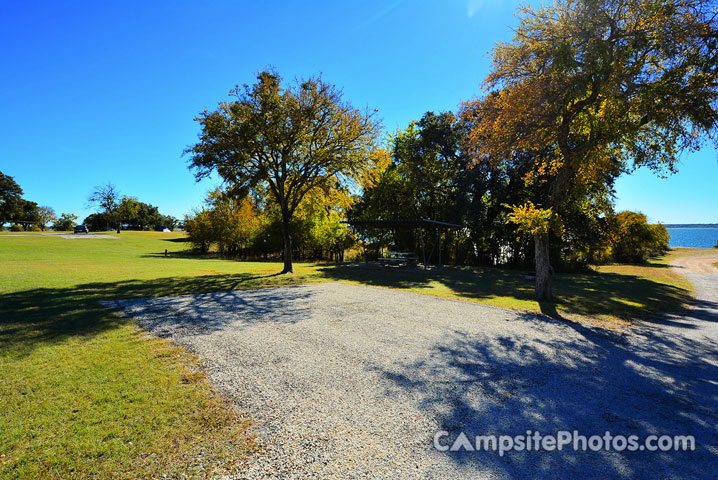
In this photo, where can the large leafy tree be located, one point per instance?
(46, 216)
(26, 212)
(127, 211)
(287, 140)
(422, 178)
(10, 196)
(427, 156)
(593, 88)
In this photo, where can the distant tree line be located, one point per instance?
(118, 212)
(691, 225)
(115, 211)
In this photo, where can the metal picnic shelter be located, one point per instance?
(418, 223)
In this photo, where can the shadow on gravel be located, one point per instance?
(40, 316)
(203, 313)
(624, 296)
(584, 379)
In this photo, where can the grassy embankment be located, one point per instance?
(86, 395)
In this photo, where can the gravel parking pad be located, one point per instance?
(348, 381)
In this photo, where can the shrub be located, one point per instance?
(16, 227)
(635, 240)
(200, 229)
(66, 222)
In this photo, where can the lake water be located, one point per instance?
(693, 237)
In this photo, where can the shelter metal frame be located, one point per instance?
(420, 223)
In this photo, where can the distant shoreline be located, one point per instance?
(690, 225)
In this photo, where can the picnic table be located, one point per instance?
(396, 258)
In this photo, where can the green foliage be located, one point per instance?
(592, 89)
(422, 180)
(127, 209)
(15, 227)
(10, 194)
(147, 217)
(97, 222)
(46, 215)
(532, 221)
(66, 222)
(634, 240)
(230, 224)
(14, 208)
(332, 236)
(25, 211)
(319, 224)
(125, 212)
(200, 229)
(287, 141)
(234, 221)
(242, 228)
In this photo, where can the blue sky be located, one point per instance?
(106, 91)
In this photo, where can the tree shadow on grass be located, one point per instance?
(194, 255)
(177, 240)
(189, 254)
(40, 316)
(624, 296)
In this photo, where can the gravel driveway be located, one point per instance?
(348, 381)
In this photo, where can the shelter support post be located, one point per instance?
(439, 241)
(423, 246)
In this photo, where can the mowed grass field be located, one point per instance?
(85, 394)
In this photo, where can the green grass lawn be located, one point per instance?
(87, 395)
(84, 394)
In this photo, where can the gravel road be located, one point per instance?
(348, 381)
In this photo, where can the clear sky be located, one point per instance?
(92, 92)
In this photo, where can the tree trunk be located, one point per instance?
(287, 256)
(544, 272)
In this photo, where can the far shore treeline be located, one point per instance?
(691, 225)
